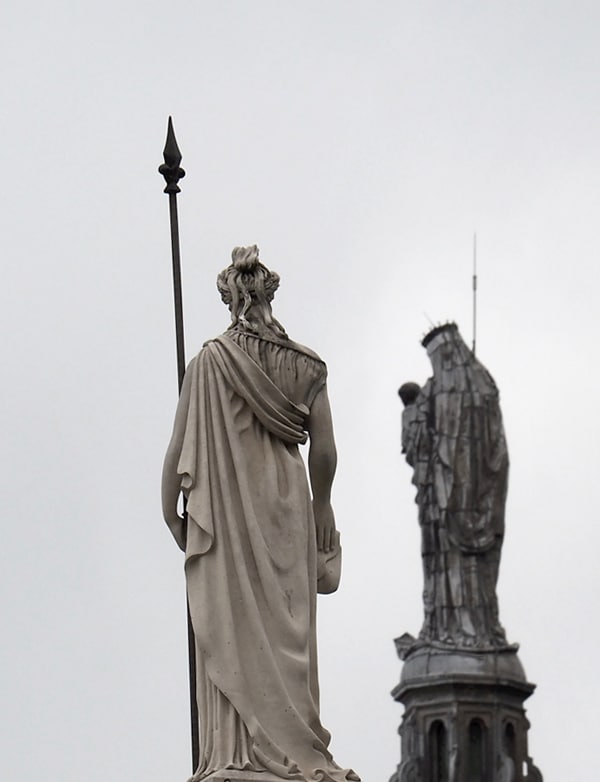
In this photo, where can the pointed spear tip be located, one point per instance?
(172, 155)
(170, 129)
(171, 152)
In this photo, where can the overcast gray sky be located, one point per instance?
(359, 145)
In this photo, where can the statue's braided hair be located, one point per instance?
(248, 282)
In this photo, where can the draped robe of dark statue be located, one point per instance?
(453, 437)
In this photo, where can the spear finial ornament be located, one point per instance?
(170, 168)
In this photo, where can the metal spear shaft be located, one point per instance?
(172, 173)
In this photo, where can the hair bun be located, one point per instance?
(245, 259)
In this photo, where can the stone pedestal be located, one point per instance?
(463, 719)
(234, 775)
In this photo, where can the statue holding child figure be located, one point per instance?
(453, 438)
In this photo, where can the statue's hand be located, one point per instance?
(325, 526)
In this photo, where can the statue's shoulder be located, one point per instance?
(241, 337)
(306, 351)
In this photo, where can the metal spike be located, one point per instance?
(170, 168)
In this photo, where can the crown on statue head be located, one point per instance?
(450, 327)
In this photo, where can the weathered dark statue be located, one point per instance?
(462, 685)
(453, 437)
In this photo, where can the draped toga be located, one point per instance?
(250, 557)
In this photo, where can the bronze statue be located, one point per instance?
(257, 546)
(453, 437)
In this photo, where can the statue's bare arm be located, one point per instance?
(322, 462)
(171, 480)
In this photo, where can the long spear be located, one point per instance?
(172, 173)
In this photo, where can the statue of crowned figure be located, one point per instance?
(453, 438)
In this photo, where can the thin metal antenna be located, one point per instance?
(474, 292)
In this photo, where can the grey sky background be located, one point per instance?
(359, 145)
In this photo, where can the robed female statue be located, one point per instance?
(257, 544)
(453, 437)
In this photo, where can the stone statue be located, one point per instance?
(256, 545)
(453, 437)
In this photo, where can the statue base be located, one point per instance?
(235, 775)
